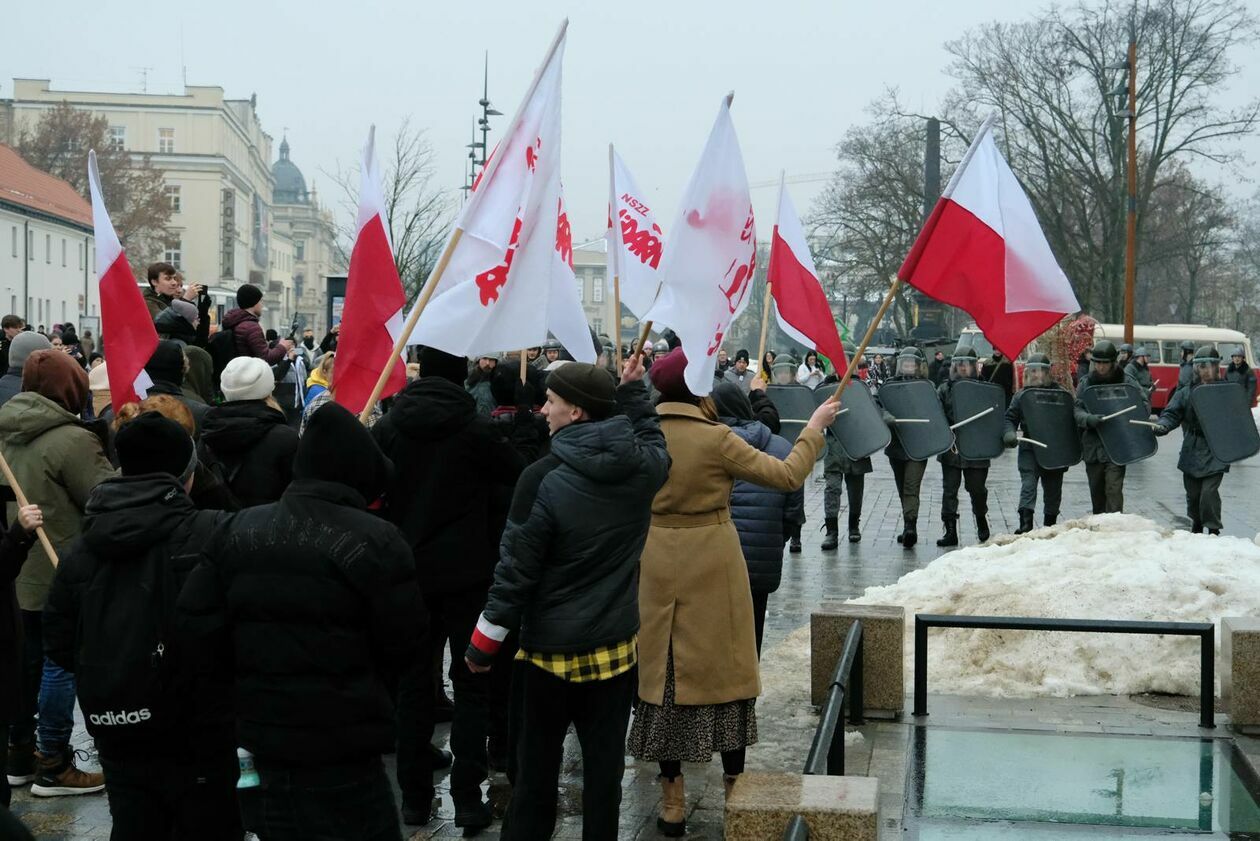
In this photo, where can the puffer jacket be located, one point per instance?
(250, 340)
(568, 577)
(251, 447)
(57, 461)
(10, 385)
(945, 391)
(1196, 458)
(763, 515)
(1092, 449)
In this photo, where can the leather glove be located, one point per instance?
(1010, 439)
(1161, 431)
(1092, 421)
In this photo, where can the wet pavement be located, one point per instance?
(786, 720)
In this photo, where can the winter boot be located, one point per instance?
(728, 783)
(910, 536)
(672, 822)
(1215, 532)
(795, 546)
(472, 814)
(1196, 527)
(832, 540)
(1025, 521)
(950, 538)
(56, 775)
(855, 534)
(982, 528)
(1051, 519)
(20, 767)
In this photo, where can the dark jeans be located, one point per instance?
(974, 478)
(350, 802)
(908, 475)
(470, 726)
(599, 711)
(160, 799)
(46, 689)
(759, 617)
(1106, 487)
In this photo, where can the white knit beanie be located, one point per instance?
(247, 378)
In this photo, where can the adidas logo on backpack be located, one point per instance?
(120, 717)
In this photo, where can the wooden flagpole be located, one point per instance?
(22, 502)
(765, 310)
(866, 340)
(524, 364)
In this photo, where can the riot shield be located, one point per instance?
(860, 427)
(1124, 442)
(795, 404)
(912, 402)
(1225, 418)
(1050, 417)
(979, 439)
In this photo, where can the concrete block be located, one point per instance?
(836, 808)
(883, 653)
(1240, 671)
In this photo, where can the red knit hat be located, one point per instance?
(667, 377)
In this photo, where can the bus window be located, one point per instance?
(1172, 352)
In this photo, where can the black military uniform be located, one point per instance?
(907, 473)
(1138, 372)
(1242, 373)
(1000, 372)
(1186, 374)
(955, 470)
(841, 471)
(1106, 478)
(1201, 471)
(1124, 356)
(1036, 375)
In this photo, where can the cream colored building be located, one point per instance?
(309, 227)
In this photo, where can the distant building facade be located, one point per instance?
(313, 239)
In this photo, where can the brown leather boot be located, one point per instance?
(56, 775)
(728, 783)
(672, 822)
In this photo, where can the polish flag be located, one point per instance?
(983, 251)
(711, 255)
(510, 278)
(800, 305)
(126, 327)
(372, 318)
(635, 241)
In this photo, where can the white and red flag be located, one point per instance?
(800, 305)
(372, 318)
(510, 278)
(635, 241)
(983, 251)
(126, 327)
(709, 260)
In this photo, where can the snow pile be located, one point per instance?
(1110, 566)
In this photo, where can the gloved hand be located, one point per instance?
(1092, 421)
(1161, 431)
(1010, 439)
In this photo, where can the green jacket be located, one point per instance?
(57, 461)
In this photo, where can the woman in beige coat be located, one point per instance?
(698, 678)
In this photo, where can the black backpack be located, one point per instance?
(222, 350)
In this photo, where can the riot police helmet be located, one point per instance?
(962, 364)
(1037, 370)
(911, 362)
(1103, 351)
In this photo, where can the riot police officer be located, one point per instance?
(1201, 471)
(550, 352)
(907, 473)
(841, 472)
(1124, 356)
(1138, 372)
(1106, 478)
(1242, 373)
(1186, 373)
(955, 470)
(1036, 375)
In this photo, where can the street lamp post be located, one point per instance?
(1128, 90)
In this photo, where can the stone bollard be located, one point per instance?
(835, 808)
(1240, 671)
(883, 653)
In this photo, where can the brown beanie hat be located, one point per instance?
(585, 386)
(56, 376)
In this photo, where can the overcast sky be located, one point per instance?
(647, 76)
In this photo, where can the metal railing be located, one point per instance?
(1205, 631)
(826, 752)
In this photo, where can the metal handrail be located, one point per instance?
(826, 752)
(1205, 631)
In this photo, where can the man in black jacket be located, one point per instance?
(319, 599)
(163, 727)
(166, 368)
(446, 495)
(568, 579)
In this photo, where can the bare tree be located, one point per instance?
(59, 143)
(418, 211)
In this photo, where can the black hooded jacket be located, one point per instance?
(250, 447)
(127, 521)
(450, 469)
(569, 574)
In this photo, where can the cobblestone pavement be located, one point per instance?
(786, 723)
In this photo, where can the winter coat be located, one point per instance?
(250, 340)
(5, 342)
(251, 447)
(763, 516)
(484, 399)
(58, 462)
(197, 408)
(741, 380)
(894, 450)
(1092, 449)
(316, 600)
(199, 378)
(1001, 373)
(1140, 376)
(451, 469)
(569, 560)
(531, 447)
(171, 325)
(1015, 423)
(15, 545)
(128, 521)
(1245, 376)
(945, 391)
(156, 302)
(694, 594)
(809, 377)
(10, 385)
(1196, 457)
(765, 411)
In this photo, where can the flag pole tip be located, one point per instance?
(730, 98)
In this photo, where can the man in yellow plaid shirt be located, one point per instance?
(568, 578)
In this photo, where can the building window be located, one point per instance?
(80, 256)
(597, 325)
(166, 141)
(30, 246)
(299, 250)
(63, 252)
(118, 137)
(173, 253)
(15, 240)
(597, 289)
(581, 290)
(173, 197)
(48, 248)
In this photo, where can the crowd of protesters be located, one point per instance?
(253, 600)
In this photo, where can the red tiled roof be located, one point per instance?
(23, 184)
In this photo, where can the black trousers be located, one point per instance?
(974, 477)
(165, 799)
(909, 478)
(1106, 487)
(759, 617)
(22, 731)
(5, 792)
(1051, 483)
(414, 708)
(599, 711)
(1203, 499)
(350, 802)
